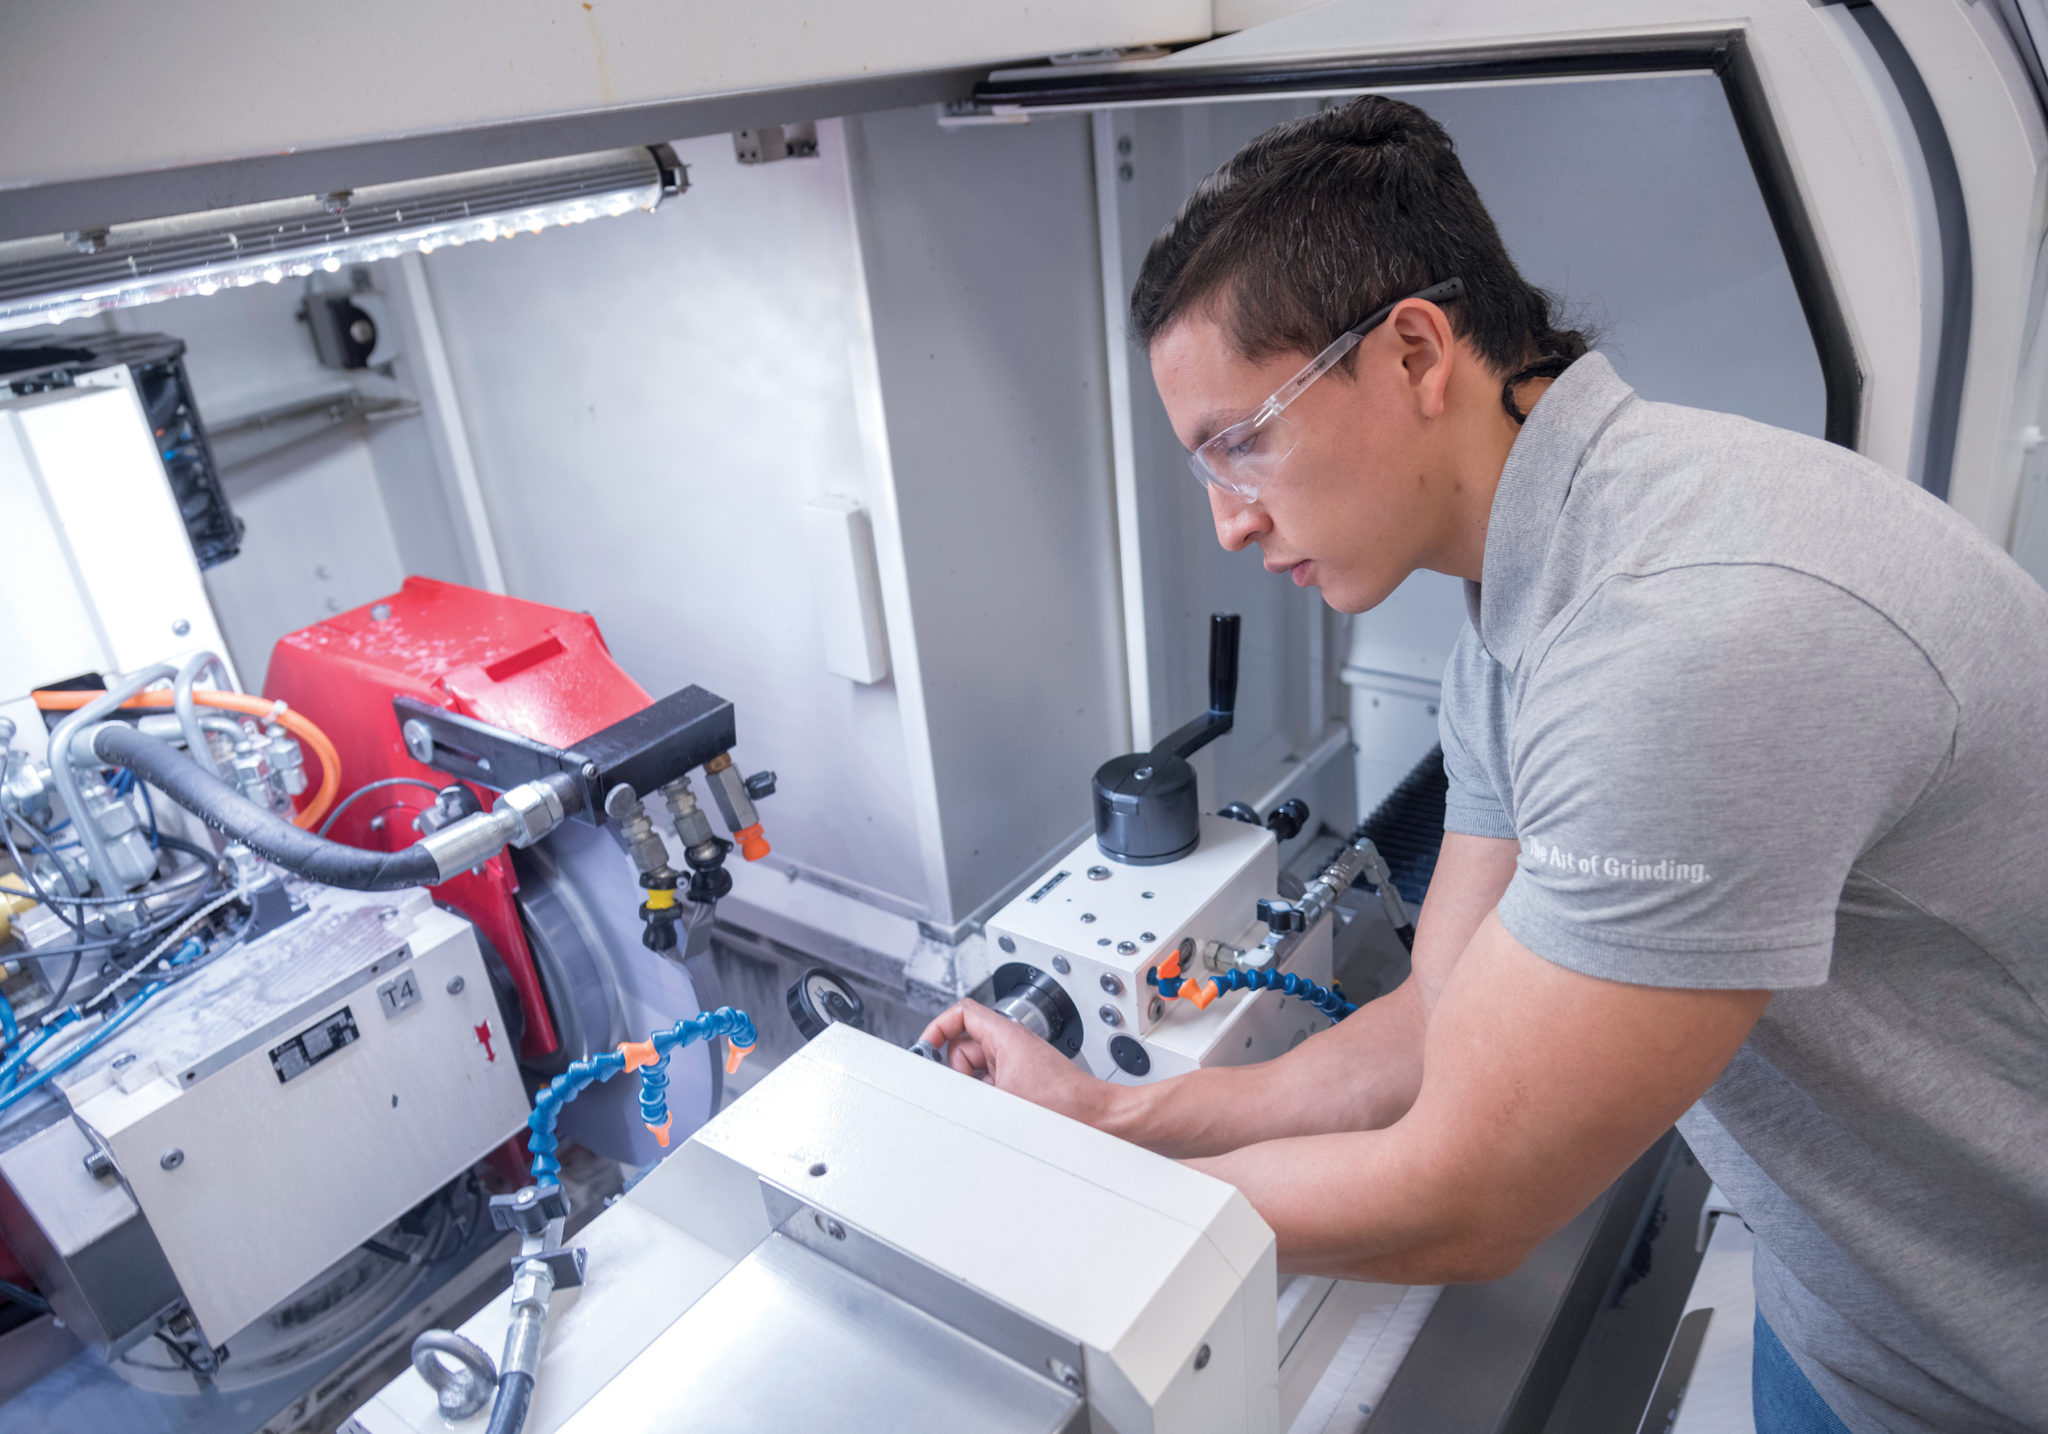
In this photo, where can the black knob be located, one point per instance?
(1281, 915)
(529, 1210)
(761, 785)
(1287, 819)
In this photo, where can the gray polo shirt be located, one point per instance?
(1762, 715)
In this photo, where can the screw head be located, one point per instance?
(180, 628)
(171, 1159)
(1062, 1371)
(381, 612)
(1098, 873)
(1102, 941)
(831, 1227)
(1110, 1016)
(1202, 1357)
(1062, 965)
(1112, 984)
(419, 742)
(455, 985)
(528, 1195)
(818, 1169)
(1087, 918)
(1147, 936)
(1126, 948)
(1007, 943)
(1156, 1009)
(123, 1061)
(1126, 174)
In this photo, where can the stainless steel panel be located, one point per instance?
(789, 1341)
(988, 1321)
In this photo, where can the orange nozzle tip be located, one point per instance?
(753, 846)
(1200, 992)
(734, 1055)
(661, 1132)
(638, 1054)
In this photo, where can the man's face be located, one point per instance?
(1349, 511)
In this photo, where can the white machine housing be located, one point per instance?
(1098, 927)
(868, 1240)
(269, 1114)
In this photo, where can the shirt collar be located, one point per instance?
(1533, 487)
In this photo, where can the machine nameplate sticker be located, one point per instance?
(1057, 878)
(313, 1045)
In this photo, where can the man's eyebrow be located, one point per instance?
(1212, 423)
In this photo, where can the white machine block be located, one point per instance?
(1100, 927)
(280, 1107)
(99, 575)
(896, 1246)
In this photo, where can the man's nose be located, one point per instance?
(1238, 522)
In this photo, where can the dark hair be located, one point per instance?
(1320, 221)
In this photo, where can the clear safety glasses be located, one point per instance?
(1243, 457)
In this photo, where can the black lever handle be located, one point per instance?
(1187, 740)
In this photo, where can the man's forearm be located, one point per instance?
(1360, 1075)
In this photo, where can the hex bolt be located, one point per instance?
(1008, 944)
(1110, 1016)
(1062, 965)
(455, 985)
(1112, 984)
(172, 1158)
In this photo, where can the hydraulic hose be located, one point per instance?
(226, 810)
(508, 1410)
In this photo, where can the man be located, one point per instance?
(1748, 820)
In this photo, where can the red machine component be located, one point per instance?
(538, 671)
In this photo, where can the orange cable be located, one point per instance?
(249, 705)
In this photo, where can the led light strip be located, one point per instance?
(52, 279)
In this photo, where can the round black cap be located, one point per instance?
(1146, 809)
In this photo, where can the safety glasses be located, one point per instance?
(1242, 458)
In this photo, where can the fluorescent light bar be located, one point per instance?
(74, 276)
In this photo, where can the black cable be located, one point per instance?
(368, 787)
(508, 1410)
(184, 1355)
(21, 866)
(388, 1252)
(27, 1299)
(223, 808)
(63, 987)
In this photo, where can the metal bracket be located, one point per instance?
(645, 751)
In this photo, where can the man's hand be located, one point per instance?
(994, 1048)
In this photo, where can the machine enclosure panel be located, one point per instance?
(1133, 1260)
(275, 1179)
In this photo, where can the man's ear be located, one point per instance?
(1428, 352)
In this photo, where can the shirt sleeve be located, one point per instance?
(1698, 759)
(1472, 726)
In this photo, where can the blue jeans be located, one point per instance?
(1781, 1397)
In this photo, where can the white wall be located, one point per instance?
(650, 401)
